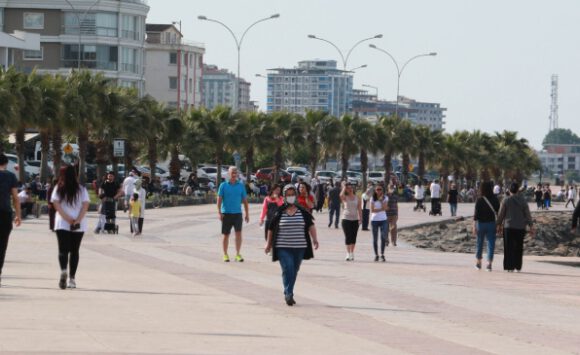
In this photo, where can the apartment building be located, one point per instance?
(219, 87)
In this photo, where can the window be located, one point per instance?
(2, 19)
(172, 58)
(92, 56)
(33, 55)
(33, 20)
(173, 82)
(101, 24)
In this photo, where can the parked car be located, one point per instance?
(144, 170)
(266, 175)
(377, 177)
(29, 171)
(301, 172)
(211, 172)
(412, 178)
(325, 176)
(353, 177)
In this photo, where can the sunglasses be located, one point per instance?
(379, 190)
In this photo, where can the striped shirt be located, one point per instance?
(291, 231)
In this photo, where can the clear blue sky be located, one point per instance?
(492, 71)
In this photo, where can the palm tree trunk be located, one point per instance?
(344, 162)
(56, 150)
(364, 166)
(174, 164)
(44, 148)
(277, 164)
(313, 158)
(152, 157)
(405, 170)
(249, 162)
(20, 153)
(387, 165)
(83, 144)
(219, 161)
(421, 167)
(128, 160)
(101, 158)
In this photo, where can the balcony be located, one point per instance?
(89, 64)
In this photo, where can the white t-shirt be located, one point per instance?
(143, 200)
(129, 186)
(73, 210)
(23, 196)
(419, 192)
(379, 216)
(496, 190)
(435, 190)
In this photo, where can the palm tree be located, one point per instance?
(52, 90)
(386, 132)
(405, 140)
(250, 129)
(315, 126)
(153, 117)
(427, 143)
(9, 100)
(284, 128)
(347, 141)
(364, 136)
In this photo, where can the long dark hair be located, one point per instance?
(375, 195)
(68, 184)
(274, 187)
(486, 189)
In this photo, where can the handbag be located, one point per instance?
(499, 231)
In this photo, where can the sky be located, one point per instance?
(494, 58)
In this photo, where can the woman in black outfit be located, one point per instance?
(8, 190)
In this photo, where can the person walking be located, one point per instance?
(435, 190)
(8, 191)
(575, 218)
(484, 227)
(393, 215)
(271, 204)
(305, 198)
(539, 197)
(514, 215)
(135, 213)
(109, 191)
(291, 239)
(129, 187)
(51, 210)
(379, 208)
(333, 204)
(351, 218)
(419, 196)
(231, 194)
(71, 202)
(452, 197)
(571, 196)
(366, 212)
(547, 197)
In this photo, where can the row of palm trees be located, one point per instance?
(85, 107)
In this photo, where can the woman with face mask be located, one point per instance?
(291, 238)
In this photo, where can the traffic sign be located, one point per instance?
(118, 148)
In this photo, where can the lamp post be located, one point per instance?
(357, 68)
(179, 66)
(342, 56)
(373, 87)
(400, 69)
(238, 47)
(79, 20)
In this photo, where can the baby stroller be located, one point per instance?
(109, 209)
(419, 206)
(435, 207)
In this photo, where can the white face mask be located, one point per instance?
(290, 200)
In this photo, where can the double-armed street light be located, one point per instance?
(400, 69)
(239, 42)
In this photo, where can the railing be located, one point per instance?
(134, 35)
(131, 68)
(89, 64)
(90, 31)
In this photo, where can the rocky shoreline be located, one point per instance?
(553, 236)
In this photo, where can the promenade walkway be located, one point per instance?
(168, 292)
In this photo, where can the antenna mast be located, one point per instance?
(554, 105)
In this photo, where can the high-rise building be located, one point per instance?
(173, 67)
(219, 86)
(109, 38)
(314, 85)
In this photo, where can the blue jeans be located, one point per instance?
(334, 210)
(453, 207)
(384, 226)
(485, 229)
(290, 260)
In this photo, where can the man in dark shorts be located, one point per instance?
(8, 190)
(231, 194)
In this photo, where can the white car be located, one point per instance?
(324, 176)
(13, 162)
(376, 176)
(353, 177)
(301, 172)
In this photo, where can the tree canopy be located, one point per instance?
(561, 136)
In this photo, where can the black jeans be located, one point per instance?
(69, 243)
(5, 229)
(350, 229)
(513, 248)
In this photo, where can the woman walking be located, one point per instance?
(291, 238)
(351, 218)
(484, 218)
(71, 202)
(8, 191)
(393, 217)
(271, 204)
(305, 198)
(379, 208)
(452, 199)
(514, 214)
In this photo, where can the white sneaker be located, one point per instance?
(351, 256)
(347, 257)
(72, 283)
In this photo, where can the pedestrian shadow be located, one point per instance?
(380, 309)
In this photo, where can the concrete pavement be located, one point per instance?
(168, 292)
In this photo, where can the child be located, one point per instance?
(135, 213)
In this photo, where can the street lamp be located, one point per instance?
(80, 19)
(238, 47)
(342, 56)
(400, 69)
(373, 87)
(357, 68)
(261, 76)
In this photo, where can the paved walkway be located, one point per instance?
(169, 292)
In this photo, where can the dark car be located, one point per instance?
(267, 174)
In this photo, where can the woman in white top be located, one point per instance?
(351, 217)
(379, 208)
(419, 197)
(71, 202)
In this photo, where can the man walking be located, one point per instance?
(8, 191)
(231, 194)
(435, 190)
(571, 196)
(334, 204)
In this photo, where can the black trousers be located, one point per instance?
(69, 243)
(513, 248)
(350, 229)
(365, 219)
(5, 229)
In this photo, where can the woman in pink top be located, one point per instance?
(271, 204)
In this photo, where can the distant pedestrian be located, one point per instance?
(571, 196)
(575, 218)
(379, 207)
(305, 198)
(351, 218)
(271, 204)
(435, 190)
(539, 197)
(71, 201)
(128, 187)
(320, 192)
(231, 195)
(291, 239)
(8, 191)
(484, 223)
(514, 214)
(547, 197)
(393, 215)
(135, 213)
(419, 196)
(452, 197)
(366, 212)
(333, 204)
